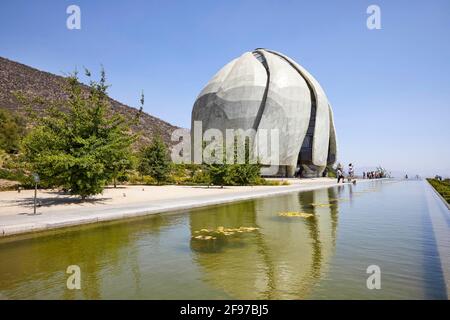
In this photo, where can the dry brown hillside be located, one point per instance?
(15, 76)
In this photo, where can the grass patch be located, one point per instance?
(442, 187)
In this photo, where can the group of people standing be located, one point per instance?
(340, 173)
(372, 175)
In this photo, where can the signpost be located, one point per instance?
(36, 181)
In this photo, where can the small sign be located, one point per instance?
(36, 178)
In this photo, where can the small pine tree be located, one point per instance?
(76, 145)
(154, 160)
(219, 174)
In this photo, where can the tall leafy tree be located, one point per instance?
(78, 144)
(154, 160)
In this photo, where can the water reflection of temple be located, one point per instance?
(284, 259)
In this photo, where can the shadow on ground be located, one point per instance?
(58, 198)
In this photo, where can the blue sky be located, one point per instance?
(389, 88)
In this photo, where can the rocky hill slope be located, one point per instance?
(15, 77)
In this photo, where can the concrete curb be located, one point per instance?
(439, 216)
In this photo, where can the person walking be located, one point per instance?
(340, 174)
(350, 172)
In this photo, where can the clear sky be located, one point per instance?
(389, 88)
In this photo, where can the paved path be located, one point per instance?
(59, 210)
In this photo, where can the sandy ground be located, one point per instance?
(57, 210)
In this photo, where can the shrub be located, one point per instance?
(244, 174)
(12, 129)
(201, 176)
(180, 174)
(442, 187)
(3, 157)
(219, 174)
(13, 169)
(149, 180)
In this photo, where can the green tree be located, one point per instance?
(154, 160)
(219, 174)
(122, 160)
(235, 173)
(246, 173)
(12, 128)
(78, 144)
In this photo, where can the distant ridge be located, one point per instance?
(15, 76)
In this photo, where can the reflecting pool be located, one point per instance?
(308, 245)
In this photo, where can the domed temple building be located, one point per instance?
(264, 89)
